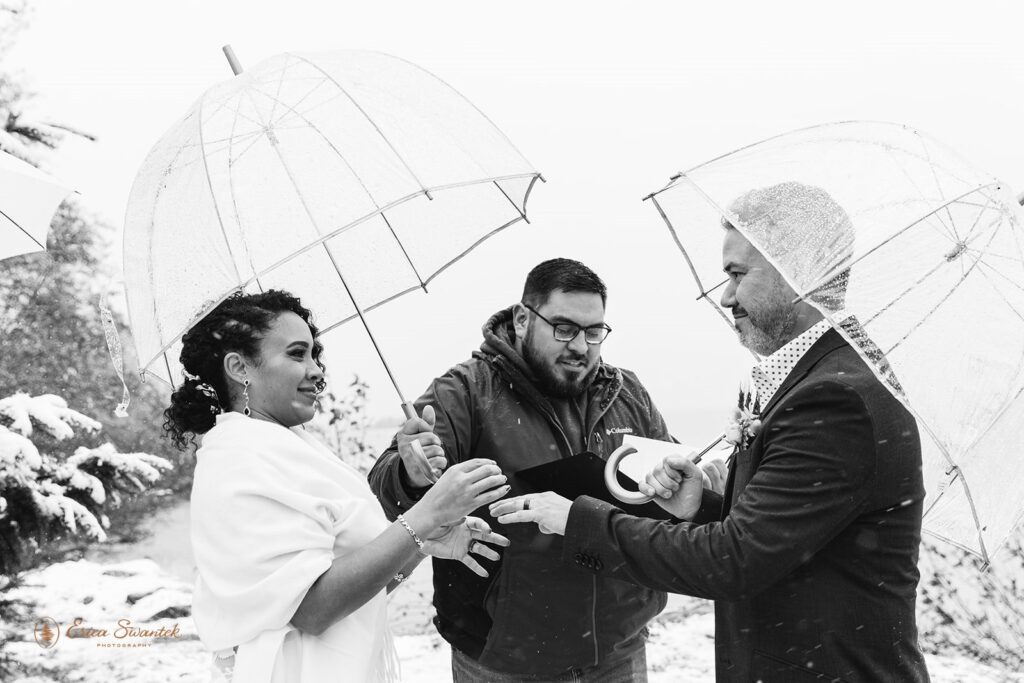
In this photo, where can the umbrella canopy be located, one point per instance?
(917, 258)
(28, 200)
(348, 178)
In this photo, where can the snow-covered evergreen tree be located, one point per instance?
(46, 493)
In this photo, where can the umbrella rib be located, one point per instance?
(362, 318)
(983, 268)
(830, 275)
(27, 233)
(213, 196)
(1016, 260)
(938, 186)
(405, 253)
(1020, 250)
(906, 291)
(251, 143)
(369, 120)
(473, 246)
(149, 250)
(369, 308)
(291, 108)
(521, 214)
(330, 143)
(295, 105)
(280, 84)
(995, 419)
(937, 304)
(675, 236)
(974, 513)
(223, 104)
(231, 183)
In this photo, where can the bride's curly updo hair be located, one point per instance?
(236, 324)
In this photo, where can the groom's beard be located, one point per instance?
(546, 373)
(770, 326)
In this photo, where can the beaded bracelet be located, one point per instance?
(415, 537)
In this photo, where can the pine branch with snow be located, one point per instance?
(48, 495)
(49, 411)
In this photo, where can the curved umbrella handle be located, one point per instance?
(611, 480)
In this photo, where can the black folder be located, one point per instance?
(583, 475)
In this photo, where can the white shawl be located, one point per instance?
(271, 509)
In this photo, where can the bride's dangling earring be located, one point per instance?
(245, 393)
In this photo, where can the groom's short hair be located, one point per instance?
(803, 230)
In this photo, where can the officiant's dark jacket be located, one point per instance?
(532, 615)
(812, 562)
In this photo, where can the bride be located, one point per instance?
(293, 552)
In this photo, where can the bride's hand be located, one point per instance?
(456, 542)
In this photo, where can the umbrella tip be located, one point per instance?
(236, 67)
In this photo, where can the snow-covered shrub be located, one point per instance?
(46, 493)
(970, 609)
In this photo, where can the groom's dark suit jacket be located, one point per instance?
(812, 557)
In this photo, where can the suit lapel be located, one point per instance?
(744, 458)
(830, 341)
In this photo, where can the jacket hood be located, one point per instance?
(500, 341)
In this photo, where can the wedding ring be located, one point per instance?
(526, 504)
(471, 548)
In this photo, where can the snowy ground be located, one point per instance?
(101, 594)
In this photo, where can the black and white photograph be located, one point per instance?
(457, 342)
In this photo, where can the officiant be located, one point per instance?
(537, 391)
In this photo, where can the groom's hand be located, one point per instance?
(677, 486)
(548, 510)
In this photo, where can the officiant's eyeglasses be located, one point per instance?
(566, 332)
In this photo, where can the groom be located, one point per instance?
(811, 554)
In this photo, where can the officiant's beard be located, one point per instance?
(546, 375)
(770, 326)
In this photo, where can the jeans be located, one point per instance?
(631, 669)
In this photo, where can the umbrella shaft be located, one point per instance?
(697, 458)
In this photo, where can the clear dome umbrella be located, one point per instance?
(348, 178)
(925, 279)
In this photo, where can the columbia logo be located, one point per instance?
(618, 430)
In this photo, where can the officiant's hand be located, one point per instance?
(458, 542)
(421, 450)
(548, 510)
(677, 486)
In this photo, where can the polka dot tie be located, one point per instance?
(770, 373)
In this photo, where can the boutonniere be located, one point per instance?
(745, 421)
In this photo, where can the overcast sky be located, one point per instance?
(606, 100)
